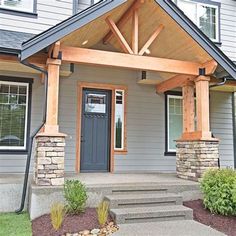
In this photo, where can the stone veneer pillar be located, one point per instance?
(195, 157)
(49, 160)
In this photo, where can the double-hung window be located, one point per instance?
(27, 6)
(174, 120)
(14, 107)
(204, 15)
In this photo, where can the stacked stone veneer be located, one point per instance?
(195, 157)
(49, 160)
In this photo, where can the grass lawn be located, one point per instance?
(13, 224)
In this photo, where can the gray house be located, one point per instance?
(112, 86)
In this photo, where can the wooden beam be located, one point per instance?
(188, 107)
(124, 18)
(172, 83)
(122, 60)
(151, 39)
(203, 114)
(51, 125)
(210, 67)
(120, 38)
(135, 32)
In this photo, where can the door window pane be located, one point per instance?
(13, 115)
(119, 119)
(19, 5)
(95, 103)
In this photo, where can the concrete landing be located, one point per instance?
(167, 228)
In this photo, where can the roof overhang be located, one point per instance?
(80, 20)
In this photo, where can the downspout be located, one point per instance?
(33, 134)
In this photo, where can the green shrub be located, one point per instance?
(57, 214)
(75, 195)
(102, 212)
(218, 187)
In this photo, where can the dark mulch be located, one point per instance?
(225, 224)
(71, 224)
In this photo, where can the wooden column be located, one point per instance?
(188, 107)
(203, 116)
(51, 125)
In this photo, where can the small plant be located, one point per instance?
(102, 212)
(76, 196)
(57, 215)
(218, 187)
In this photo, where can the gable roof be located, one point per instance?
(75, 22)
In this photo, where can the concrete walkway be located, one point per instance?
(167, 228)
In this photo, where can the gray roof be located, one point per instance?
(13, 40)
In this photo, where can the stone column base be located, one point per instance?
(49, 160)
(195, 157)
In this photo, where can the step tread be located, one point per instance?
(150, 210)
(117, 197)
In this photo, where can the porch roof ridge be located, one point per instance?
(80, 19)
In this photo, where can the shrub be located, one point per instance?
(102, 212)
(218, 187)
(76, 196)
(57, 214)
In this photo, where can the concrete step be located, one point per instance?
(151, 214)
(139, 189)
(143, 200)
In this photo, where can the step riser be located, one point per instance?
(144, 204)
(138, 191)
(151, 218)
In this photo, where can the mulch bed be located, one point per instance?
(71, 224)
(225, 224)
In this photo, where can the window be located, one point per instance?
(205, 16)
(119, 120)
(14, 100)
(18, 5)
(174, 120)
(78, 5)
(95, 103)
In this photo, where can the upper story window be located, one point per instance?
(204, 15)
(80, 5)
(18, 5)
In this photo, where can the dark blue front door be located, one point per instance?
(95, 133)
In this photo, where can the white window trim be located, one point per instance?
(23, 10)
(168, 119)
(123, 123)
(217, 17)
(26, 116)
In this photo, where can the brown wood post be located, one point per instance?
(51, 125)
(203, 116)
(188, 107)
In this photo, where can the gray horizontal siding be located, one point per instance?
(222, 125)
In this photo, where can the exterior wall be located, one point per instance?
(222, 125)
(145, 122)
(54, 11)
(49, 13)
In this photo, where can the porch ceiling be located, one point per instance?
(172, 42)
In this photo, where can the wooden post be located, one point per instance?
(203, 116)
(188, 107)
(51, 125)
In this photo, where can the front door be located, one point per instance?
(95, 132)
